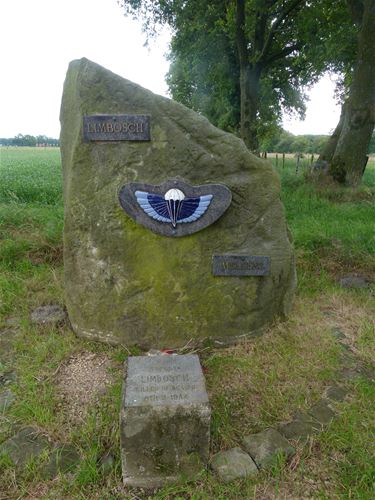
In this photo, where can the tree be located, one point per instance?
(346, 151)
(265, 37)
(240, 62)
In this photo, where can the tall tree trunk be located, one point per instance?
(249, 84)
(329, 148)
(350, 156)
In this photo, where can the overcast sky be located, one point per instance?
(40, 37)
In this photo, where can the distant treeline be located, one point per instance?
(280, 142)
(285, 142)
(29, 140)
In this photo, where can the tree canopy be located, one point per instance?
(244, 62)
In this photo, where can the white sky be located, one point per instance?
(322, 113)
(38, 39)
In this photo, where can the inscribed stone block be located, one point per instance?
(165, 420)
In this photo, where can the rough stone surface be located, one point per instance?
(28, 443)
(164, 420)
(322, 412)
(50, 314)
(7, 397)
(354, 281)
(125, 284)
(233, 464)
(265, 446)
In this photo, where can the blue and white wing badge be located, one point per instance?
(175, 208)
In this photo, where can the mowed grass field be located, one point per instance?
(251, 386)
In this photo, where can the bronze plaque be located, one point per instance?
(116, 128)
(240, 265)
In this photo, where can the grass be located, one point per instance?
(251, 386)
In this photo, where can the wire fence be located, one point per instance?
(299, 162)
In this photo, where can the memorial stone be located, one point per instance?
(153, 191)
(164, 420)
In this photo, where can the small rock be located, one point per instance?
(347, 359)
(6, 344)
(13, 321)
(62, 459)
(7, 378)
(354, 281)
(154, 352)
(322, 412)
(233, 464)
(348, 373)
(26, 444)
(51, 315)
(300, 428)
(107, 463)
(355, 372)
(319, 166)
(6, 399)
(336, 393)
(338, 334)
(265, 446)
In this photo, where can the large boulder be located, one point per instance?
(125, 284)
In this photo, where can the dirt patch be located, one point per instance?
(81, 381)
(46, 254)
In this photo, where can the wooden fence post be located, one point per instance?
(283, 160)
(297, 163)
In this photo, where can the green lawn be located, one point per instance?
(251, 386)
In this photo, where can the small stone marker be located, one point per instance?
(164, 420)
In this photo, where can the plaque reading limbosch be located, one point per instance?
(116, 128)
(240, 265)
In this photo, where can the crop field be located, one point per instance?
(252, 386)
